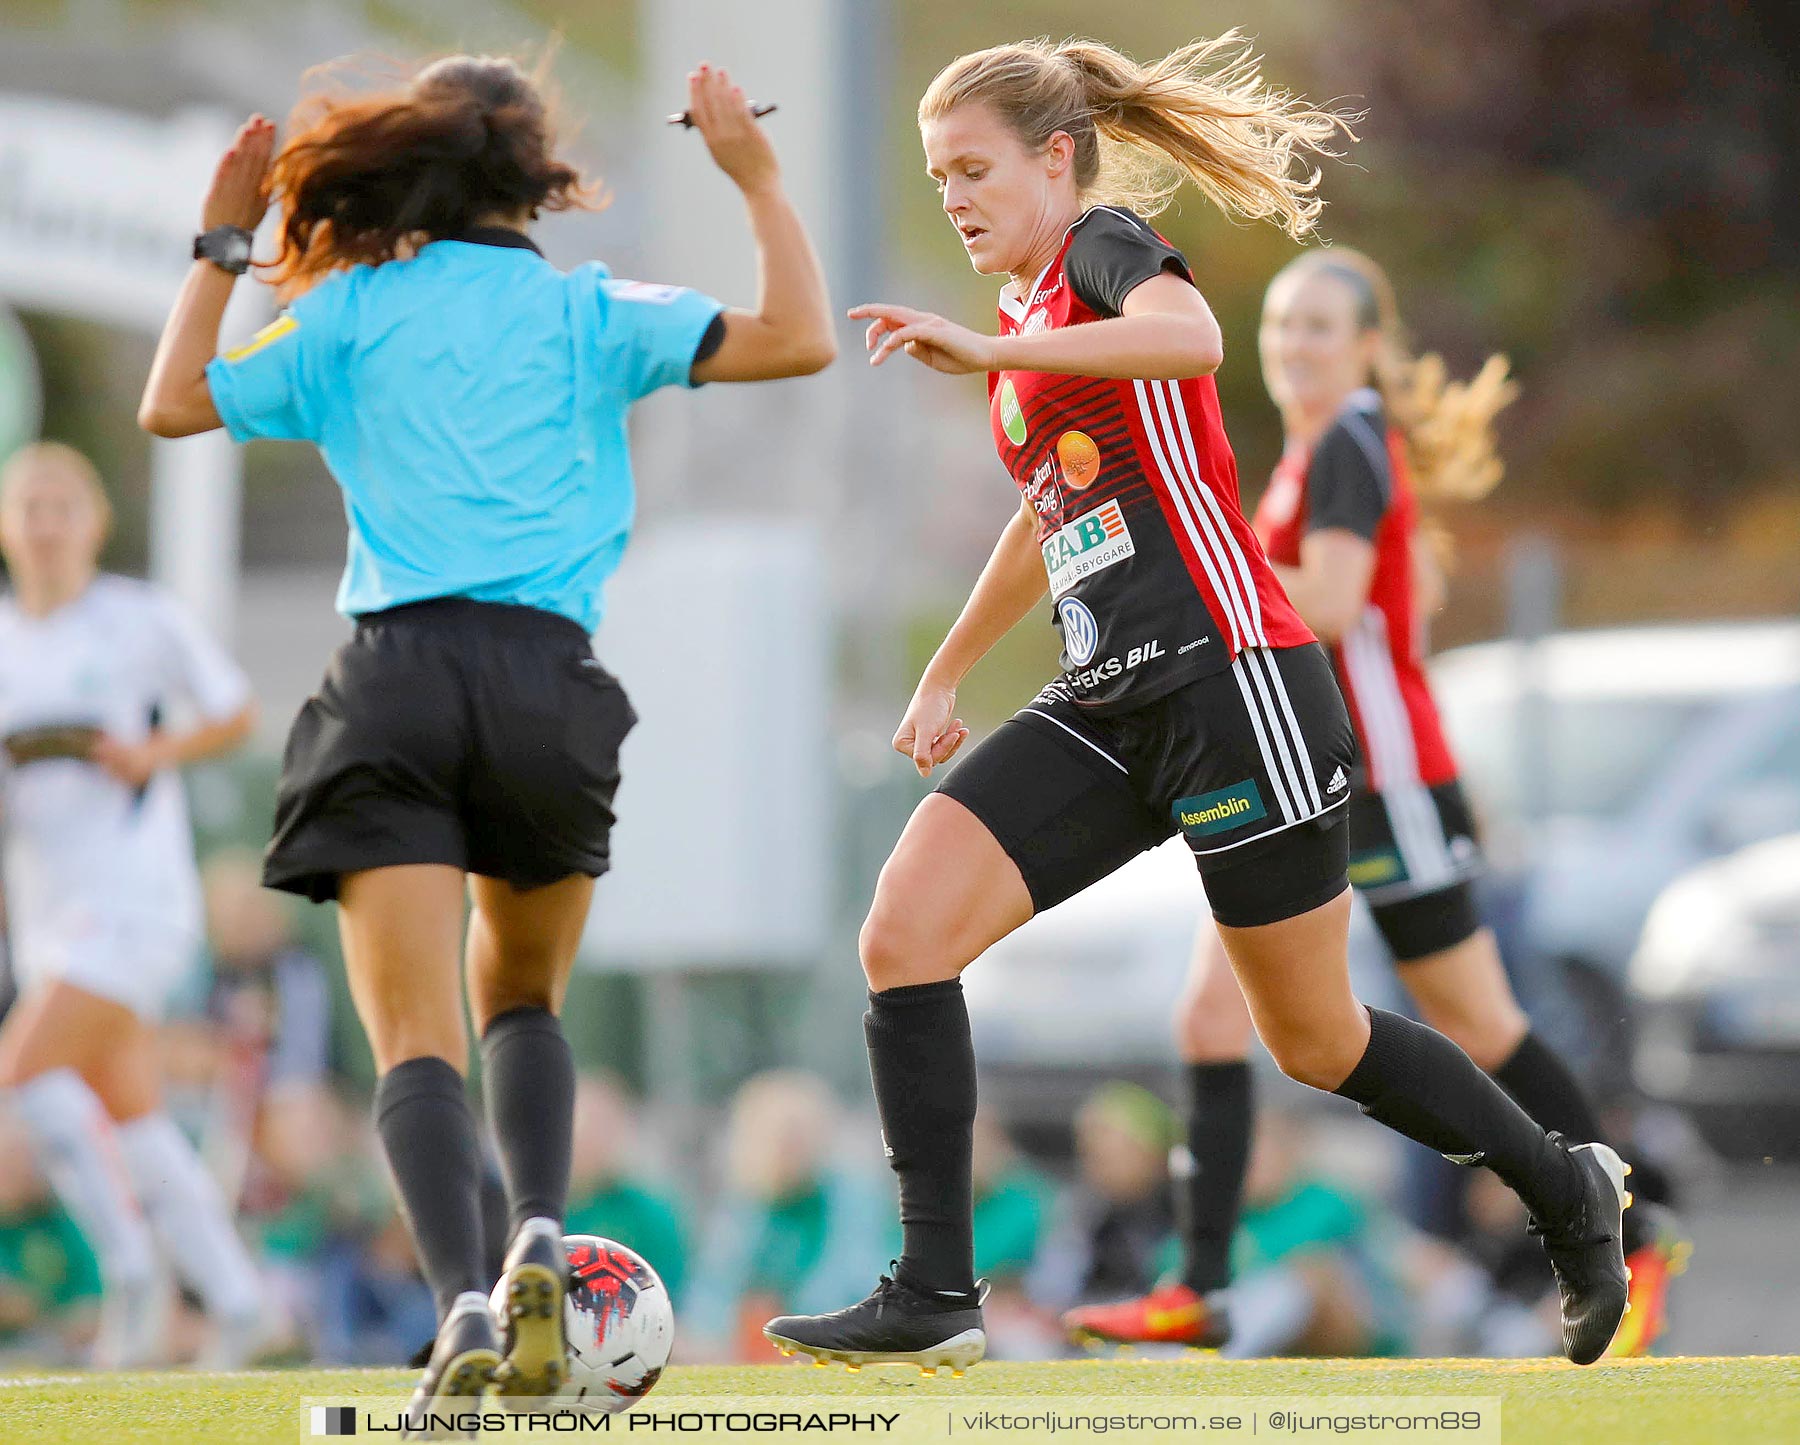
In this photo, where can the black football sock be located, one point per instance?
(1417, 1082)
(1209, 1180)
(528, 1080)
(428, 1134)
(1548, 1090)
(922, 1063)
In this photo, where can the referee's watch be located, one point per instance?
(227, 247)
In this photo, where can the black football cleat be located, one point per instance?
(462, 1363)
(533, 1285)
(1586, 1253)
(895, 1325)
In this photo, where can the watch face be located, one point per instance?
(226, 247)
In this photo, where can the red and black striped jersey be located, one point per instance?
(1355, 478)
(1155, 574)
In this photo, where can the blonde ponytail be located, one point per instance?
(1202, 114)
(1449, 427)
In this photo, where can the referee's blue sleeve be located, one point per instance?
(655, 331)
(269, 386)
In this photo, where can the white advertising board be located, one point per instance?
(719, 630)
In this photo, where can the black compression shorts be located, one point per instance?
(1417, 928)
(1250, 764)
(474, 734)
(1413, 857)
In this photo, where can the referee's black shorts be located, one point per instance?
(475, 734)
(1251, 764)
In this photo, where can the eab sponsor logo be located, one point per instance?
(1219, 812)
(1086, 546)
(1012, 415)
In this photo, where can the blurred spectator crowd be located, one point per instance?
(786, 1207)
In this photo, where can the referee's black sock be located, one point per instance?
(1209, 1180)
(922, 1063)
(428, 1134)
(1416, 1081)
(528, 1079)
(1548, 1090)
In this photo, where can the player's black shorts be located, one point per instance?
(1252, 764)
(475, 734)
(1414, 857)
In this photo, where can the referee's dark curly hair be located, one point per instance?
(365, 177)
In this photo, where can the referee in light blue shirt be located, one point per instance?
(470, 399)
(471, 403)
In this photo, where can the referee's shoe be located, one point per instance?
(533, 1284)
(896, 1325)
(462, 1363)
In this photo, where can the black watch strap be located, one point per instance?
(227, 247)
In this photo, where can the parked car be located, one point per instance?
(1716, 980)
(1606, 763)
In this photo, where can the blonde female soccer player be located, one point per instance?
(1193, 697)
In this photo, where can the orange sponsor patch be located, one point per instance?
(1080, 458)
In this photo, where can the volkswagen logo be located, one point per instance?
(1081, 634)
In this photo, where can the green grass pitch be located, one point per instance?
(1750, 1401)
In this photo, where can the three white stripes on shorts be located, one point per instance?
(1284, 752)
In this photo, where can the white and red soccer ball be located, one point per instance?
(619, 1321)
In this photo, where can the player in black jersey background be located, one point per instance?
(1237, 738)
(1373, 433)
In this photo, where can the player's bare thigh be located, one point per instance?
(947, 892)
(1212, 1021)
(60, 1025)
(522, 943)
(1295, 976)
(401, 929)
(1463, 992)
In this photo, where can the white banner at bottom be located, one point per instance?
(977, 1420)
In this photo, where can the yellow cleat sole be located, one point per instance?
(537, 1357)
(956, 1355)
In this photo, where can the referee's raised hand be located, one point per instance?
(239, 194)
(724, 119)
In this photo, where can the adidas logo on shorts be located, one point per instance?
(1338, 782)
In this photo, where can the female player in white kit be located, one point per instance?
(102, 895)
